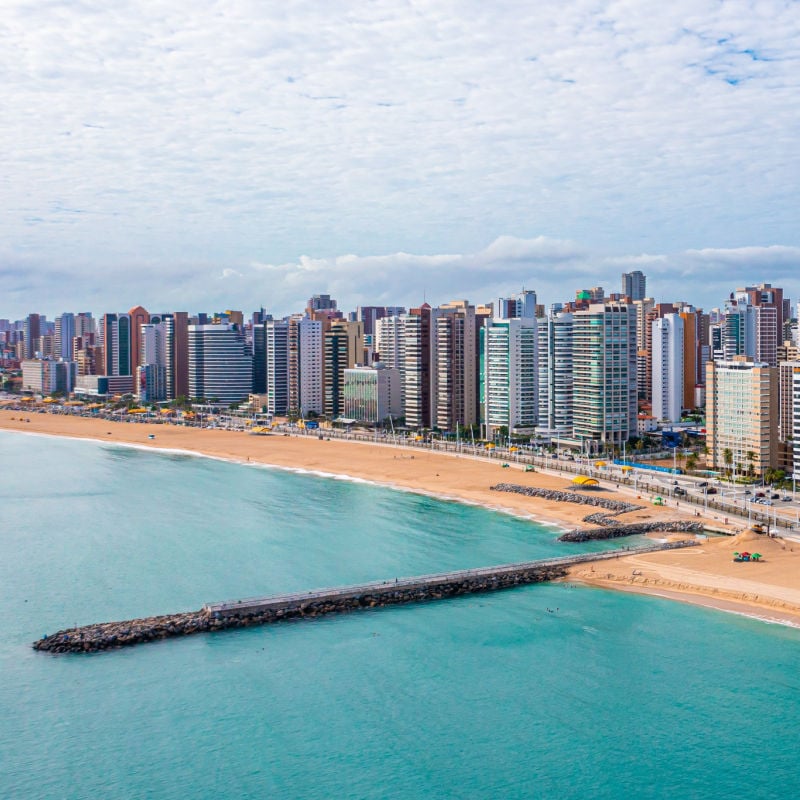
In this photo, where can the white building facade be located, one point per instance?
(667, 371)
(509, 375)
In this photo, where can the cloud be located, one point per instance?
(554, 268)
(207, 136)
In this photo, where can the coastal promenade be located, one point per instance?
(303, 605)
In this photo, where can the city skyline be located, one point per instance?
(216, 155)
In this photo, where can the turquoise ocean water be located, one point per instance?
(612, 696)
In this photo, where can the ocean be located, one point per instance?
(605, 695)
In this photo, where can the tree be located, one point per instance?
(751, 457)
(691, 462)
(727, 457)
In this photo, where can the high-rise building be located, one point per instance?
(667, 367)
(305, 365)
(259, 358)
(343, 344)
(417, 333)
(604, 384)
(176, 346)
(454, 366)
(153, 343)
(796, 425)
(390, 345)
(555, 374)
(753, 323)
(46, 346)
(85, 324)
(787, 375)
(117, 344)
(276, 366)
(517, 306)
(321, 302)
(220, 364)
(634, 285)
(65, 332)
(368, 316)
(742, 415)
(32, 330)
(138, 317)
(643, 309)
(509, 377)
(657, 311)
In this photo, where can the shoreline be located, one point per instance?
(709, 581)
(560, 525)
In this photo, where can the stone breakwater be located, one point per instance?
(110, 635)
(617, 529)
(610, 527)
(567, 497)
(305, 605)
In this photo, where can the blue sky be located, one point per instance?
(203, 155)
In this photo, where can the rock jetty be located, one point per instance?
(566, 497)
(618, 529)
(610, 528)
(110, 635)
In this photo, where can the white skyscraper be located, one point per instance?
(667, 343)
(390, 344)
(277, 366)
(305, 366)
(555, 374)
(509, 379)
(153, 343)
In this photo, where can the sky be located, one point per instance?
(221, 154)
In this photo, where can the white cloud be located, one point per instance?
(165, 138)
(556, 269)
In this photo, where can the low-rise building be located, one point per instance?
(372, 394)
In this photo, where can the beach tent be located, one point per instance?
(585, 480)
(600, 464)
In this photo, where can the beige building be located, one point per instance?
(742, 415)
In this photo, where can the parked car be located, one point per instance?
(774, 496)
(760, 494)
(711, 490)
(703, 484)
(680, 492)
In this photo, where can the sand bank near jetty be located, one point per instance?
(708, 576)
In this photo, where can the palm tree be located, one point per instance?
(691, 462)
(751, 457)
(727, 457)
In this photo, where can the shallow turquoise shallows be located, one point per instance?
(487, 696)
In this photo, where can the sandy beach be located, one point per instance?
(703, 575)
